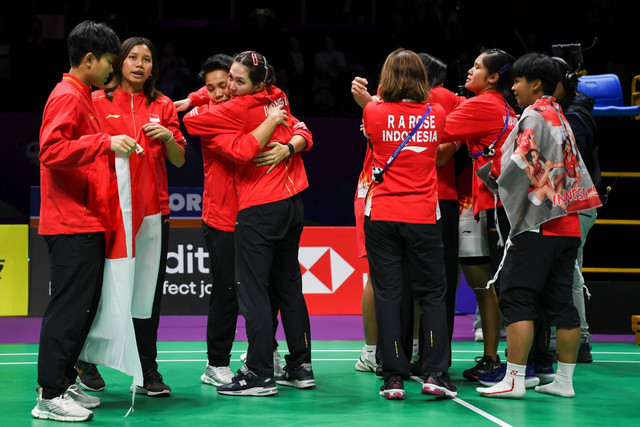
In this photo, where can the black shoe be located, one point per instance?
(584, 353)
(379, 371)
(484, 364)
(438, 385)
(393, 388)
(300, 377)
(153, 385)
(246, 383)
(89, 377)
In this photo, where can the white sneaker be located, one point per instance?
(61, 408)
(217, 375)
(278, 366)
(367, 361)
(82, 398)
(479, 336)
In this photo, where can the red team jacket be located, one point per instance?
(220, 198)
(226, 128)
(74, 168)
(447, 189)
(479, 120)
(127, 113)
(408, 192)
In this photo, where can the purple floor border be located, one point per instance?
(15, 330)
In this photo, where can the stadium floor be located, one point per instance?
(606, 392)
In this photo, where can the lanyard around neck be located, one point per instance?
(489, 151)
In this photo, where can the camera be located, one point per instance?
(571, 53)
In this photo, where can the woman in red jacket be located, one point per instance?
(402, 236)
(130, 104)
(219, 211)
(484, 122)
(269, 221)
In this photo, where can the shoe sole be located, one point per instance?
(436, 390)
(528, 382)
(86, 387)
(144, 391)
(208, 380)
(393, 394)
(45, 415)
(546, 378)
(300, 384)
(87, 405)
(255, 391)
(469, 376)
(473, 377)
(364, 367)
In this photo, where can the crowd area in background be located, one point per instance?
(316, 59)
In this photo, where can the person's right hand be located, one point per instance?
(278, 114)
(182, 105)
(359, 85)
(359, 91)
(123, 143)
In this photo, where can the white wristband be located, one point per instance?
(167, 140)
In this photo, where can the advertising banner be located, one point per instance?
(14, 270)
(332, 274)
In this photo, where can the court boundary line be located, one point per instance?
(471, 407)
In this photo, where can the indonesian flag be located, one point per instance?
(131, 267)
(542, 175)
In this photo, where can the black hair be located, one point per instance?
(90, 36)
(259, 69)
(499, 61)
(219, 61)
(436, 69)
(149, 89)
(538, 66)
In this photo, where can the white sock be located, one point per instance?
(562, 385)
(370, 348)
(512, 385)
(415, 349)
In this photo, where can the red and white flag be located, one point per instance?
(131, 267)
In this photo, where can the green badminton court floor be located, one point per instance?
(607, 394)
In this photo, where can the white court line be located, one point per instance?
(470, 407)
(18, 354)
(19, 363)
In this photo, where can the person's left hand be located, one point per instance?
(272, 157)
(156, 130)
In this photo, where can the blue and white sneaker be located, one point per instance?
(544, 372)
(300, 377)
(494, 377)
(246, 383)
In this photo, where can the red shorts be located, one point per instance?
(358, 208)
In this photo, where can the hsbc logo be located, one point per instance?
(323, 269)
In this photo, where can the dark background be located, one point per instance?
(33, 57)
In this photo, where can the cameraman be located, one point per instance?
(577, 108)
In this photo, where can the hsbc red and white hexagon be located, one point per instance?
(333, 275)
